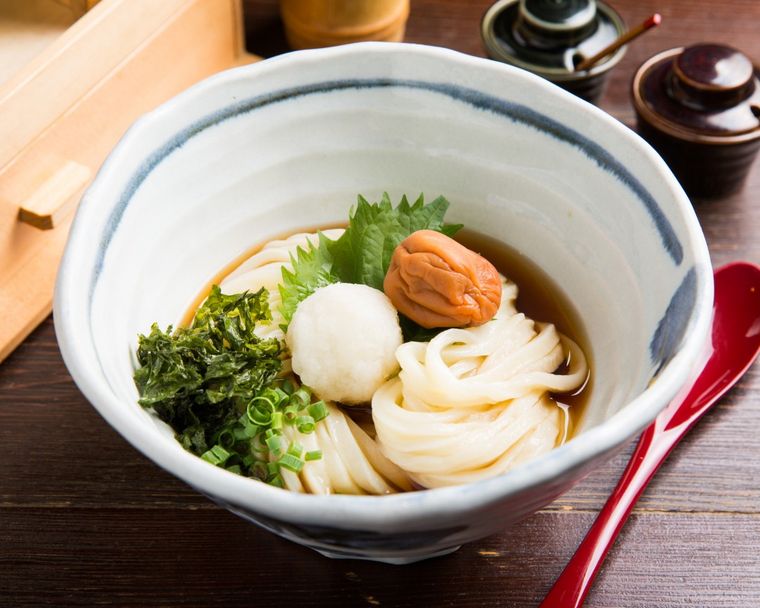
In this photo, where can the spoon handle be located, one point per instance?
(734, 346)
(656, 442)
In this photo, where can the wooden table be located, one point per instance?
(86, 520)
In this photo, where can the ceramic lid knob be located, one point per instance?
(700, 93)
(558, 14)
(552, 24)
(711, 77)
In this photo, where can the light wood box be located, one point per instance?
(72, 80)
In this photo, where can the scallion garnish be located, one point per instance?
(296, 449)
(216, 455)
(301, 398)
(290, 462)
(305, 424)
(274, 443)
(288, 386)
(290, 413)
(225, 438)
(313, 455)
(318, 411)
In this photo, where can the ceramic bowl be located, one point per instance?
(288, 143)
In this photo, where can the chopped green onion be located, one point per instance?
(290, 413)
(246, 423)
(260, 413)
(257, 443)
(281, 396)
(313, 455)
(263, 398)
(301, 397)
(277, 482)
(216, 455)
(296, 449)
(319, 411)
(274, 443)
(290, 462)
(247, 432)
(226, 438)
(272, 468)
(235, 468)
(288, 386)
(305, 424)
(277, 421)
(270, 433)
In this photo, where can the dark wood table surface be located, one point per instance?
(86, 520)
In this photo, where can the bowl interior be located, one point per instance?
(260, 151)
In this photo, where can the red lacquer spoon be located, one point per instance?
(735, 344)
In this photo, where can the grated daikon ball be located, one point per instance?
(343, 339)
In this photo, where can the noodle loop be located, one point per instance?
(474, 403)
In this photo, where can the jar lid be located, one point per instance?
(550, 37)
(558, 15)
(702, 92)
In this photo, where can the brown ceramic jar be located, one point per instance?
(699, 107)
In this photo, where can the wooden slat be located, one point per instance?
(78, 61)
(128, 557)
(86, 131)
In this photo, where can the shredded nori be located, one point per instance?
(200, 379)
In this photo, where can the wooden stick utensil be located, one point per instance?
(624, 39)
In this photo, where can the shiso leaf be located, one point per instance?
(362, 254)
(311, 270)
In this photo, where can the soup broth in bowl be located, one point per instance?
(478, 391)
(565, 202)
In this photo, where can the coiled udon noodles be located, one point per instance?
(470, 404)
(473, 403)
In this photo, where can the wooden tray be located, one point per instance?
(62, 111)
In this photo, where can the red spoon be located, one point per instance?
(735, 344)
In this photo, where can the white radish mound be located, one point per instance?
(343, 339)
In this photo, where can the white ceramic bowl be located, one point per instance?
(288, 143)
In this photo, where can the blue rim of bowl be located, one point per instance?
(373, 511)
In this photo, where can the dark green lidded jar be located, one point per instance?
(551, 37)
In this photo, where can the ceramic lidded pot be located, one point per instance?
(551, 37)
(699, 107)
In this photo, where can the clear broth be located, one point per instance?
(540, 298)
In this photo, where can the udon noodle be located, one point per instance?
(473, 403)
(351, 461)
(469, 404)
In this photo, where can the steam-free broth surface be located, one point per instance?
(540, 298)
